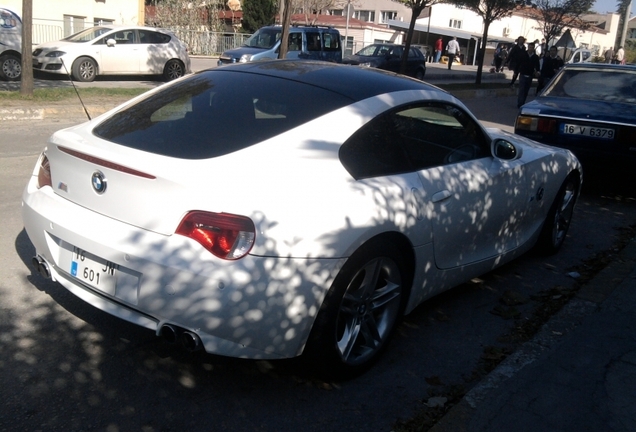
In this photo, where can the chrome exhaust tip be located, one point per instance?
(41, 267)
(191, 341)
(169, 333)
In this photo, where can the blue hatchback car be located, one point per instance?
(588, 108)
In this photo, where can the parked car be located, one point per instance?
(389, 57)
(10, 45)
(114, 50)
(589, 108)
(304, 42)
(279, 208)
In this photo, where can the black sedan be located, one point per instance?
(589, 109)
(389, 57)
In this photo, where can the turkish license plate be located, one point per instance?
(587, 131)
(94, 271)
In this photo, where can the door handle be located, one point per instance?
(441, 196)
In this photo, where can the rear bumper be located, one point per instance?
(256, 307)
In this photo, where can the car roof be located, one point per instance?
(356, 83)
(596, 66)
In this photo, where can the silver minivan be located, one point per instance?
(304, 42)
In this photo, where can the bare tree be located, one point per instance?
(187, 15)
(489, 11)
(417, 7)
(26, 85)
(554, 16)
(312, 8)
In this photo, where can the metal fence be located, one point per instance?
(41, 33)
(210, 43)
(199, 42)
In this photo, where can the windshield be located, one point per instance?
(609, 85)
(87, 35)
(264, 38)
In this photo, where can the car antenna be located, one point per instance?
(78, 95)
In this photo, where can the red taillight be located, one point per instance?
(44, 173)
(226, 235)
(546, 125)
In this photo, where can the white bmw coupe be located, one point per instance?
(278, 208)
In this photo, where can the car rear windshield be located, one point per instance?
(217, 112)
(609, 85)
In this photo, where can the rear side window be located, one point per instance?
(216, 113)
(151, 37)
(332, 41)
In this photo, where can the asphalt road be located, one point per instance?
(67, 366)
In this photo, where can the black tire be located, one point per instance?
(419, 74)
(360, 313)
(173, 69)
(557, 223)
(10, 67)
(84, 69)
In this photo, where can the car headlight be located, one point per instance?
(245, 58)
(55, 54)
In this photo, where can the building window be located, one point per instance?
(385, 16)
(336, 12)
(453, 23)
(103, 21)
(73, 24)
(364, 15)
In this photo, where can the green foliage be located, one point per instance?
(258, 13)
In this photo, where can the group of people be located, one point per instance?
(617, 57)
(529, 61)
(452, 50)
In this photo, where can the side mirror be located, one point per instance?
(505, 150)
(111, 42)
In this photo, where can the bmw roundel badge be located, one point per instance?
(99, 182)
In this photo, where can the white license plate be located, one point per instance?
(587, 131)
(94, 271)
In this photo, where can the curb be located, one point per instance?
(585, 302)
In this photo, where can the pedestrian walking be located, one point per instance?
(501, 55)
(620, 56)
(516, 54)
(439, 46)
(550, 66)
(528, 70)
(452, 50)
(609, 55)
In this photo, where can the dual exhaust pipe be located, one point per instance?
(173, 334)
(170, 333)
(41, 267)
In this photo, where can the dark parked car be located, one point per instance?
(389, 57)
(589, 108)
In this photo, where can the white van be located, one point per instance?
(10, 45)
(580, 55)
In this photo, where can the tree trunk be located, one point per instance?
(284, 37)
(409, 35)
(26, 85)
(481, 53)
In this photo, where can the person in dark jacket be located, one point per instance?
(551, 64)
(515, 56)
(528, 70)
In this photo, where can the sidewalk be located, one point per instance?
(577, 374)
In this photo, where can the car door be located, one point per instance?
(476, 203)
(123, 56)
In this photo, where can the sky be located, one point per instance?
(602, 6)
